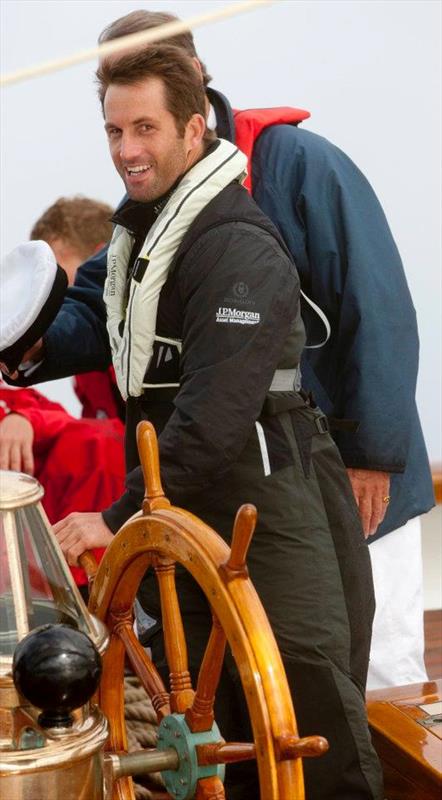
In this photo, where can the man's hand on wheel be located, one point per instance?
(79, 532)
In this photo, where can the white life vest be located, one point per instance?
(132, 348)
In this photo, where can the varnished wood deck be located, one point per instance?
(433, 643)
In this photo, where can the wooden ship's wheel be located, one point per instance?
(191, 752)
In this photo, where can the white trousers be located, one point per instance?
(397, 650)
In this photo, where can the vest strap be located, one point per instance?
(286, 380)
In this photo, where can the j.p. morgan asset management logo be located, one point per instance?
(237, 316)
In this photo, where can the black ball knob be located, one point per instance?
(56, 668)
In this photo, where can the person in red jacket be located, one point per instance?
(79, 462)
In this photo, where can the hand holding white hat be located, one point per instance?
(32, 288)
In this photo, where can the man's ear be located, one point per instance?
(195, 130)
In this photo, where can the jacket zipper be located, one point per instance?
(129, 338)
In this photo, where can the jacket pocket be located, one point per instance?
(274, 445)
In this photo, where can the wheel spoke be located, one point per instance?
(291, 746)
(150, 464)
(145, 671)
(181, 692)
(243, 529)
(200, 716)
(225, 753)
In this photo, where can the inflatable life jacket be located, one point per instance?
(132, 325)
(249, 124)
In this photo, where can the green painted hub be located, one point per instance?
(173, 732)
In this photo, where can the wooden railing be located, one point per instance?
(436, 472)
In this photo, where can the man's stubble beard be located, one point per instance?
(160, 186)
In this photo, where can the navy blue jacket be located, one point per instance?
(348, 263)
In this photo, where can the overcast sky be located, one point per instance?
(369, 72)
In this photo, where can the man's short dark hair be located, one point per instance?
(144, 20)
(184, 91)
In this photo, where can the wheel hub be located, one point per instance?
(174, 732)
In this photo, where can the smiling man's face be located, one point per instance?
(144, 142)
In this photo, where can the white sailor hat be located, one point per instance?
(32, 287)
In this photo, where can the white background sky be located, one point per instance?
(369, 72)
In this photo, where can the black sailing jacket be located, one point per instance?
(232, 299)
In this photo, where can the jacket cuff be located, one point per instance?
(352, 461)
(119, 512)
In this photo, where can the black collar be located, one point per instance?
(225, 125)
(138, 217)
(135, 216)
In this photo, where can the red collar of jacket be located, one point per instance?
(249, 124)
